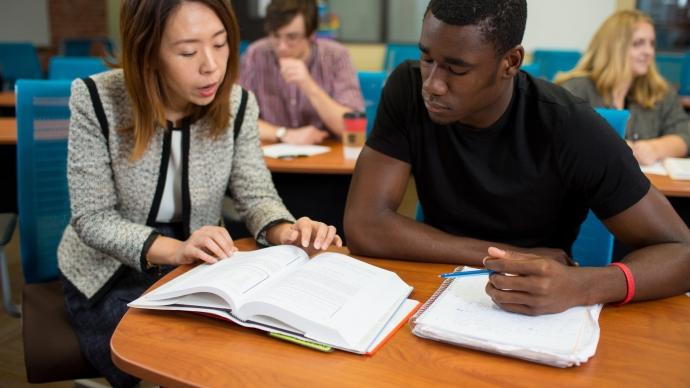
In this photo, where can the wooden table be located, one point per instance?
(670, 187)
(7, 99)
(332, 162)
(642, 344)
(8, 130)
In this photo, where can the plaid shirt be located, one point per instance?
(285, 105)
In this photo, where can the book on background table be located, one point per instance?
(461, 313)
(284, 150)
(656, 168)
(678, 168)
(331, 299)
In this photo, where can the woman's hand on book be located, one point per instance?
(305, 233)
(529, 284)
(209, 244)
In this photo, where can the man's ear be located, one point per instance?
(512, 60)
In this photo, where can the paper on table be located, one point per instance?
(464, 314)
(656, 169)
(283, 150)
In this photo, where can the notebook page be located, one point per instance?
(465, 311)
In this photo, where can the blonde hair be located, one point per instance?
(606, 61)
(141, 27)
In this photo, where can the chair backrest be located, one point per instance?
(593, 246)
(19, 60)
(42, 128)
(371, 83)
(684, 87)
(670, 65)
(74, 67)
(85, 47)
(533, 68)
(552, 61)
(243, 46)
(397, 53)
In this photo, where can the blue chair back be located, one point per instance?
(552, 61)
(83, 47)
(419, 213)
(19, 60)
(684, 87)
(593, 246)
(371, 83)
(533, 68)
(670, 65)
(243, 46)
(42, 128)
(74, 67)
(397, 53)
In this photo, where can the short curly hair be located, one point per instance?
(502, 22)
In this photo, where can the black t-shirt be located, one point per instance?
(527, 180)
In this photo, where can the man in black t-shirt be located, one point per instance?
(506, 166)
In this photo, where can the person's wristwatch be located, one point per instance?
(280, 133)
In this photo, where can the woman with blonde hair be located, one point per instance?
(618, 71)
(153, 147)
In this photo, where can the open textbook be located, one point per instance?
(675, 168)
(461, 313)
(333, 299)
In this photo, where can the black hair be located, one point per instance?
(501, 22)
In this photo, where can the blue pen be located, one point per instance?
(466, 273)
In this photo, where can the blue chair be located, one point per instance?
(670, 65)
(371, 84)
(51, 349)
(74, 67)
(684, 87)
(532, 68)
(594, 243)
(397, 53)
(552, 61)
(86, 47)
(593, 246)
(243, 46)
(18, 60)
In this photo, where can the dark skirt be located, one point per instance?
(94, 321)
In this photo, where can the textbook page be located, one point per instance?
(464, 314)
(678, 168)
(334, 299)
(233, 280)
(655, 169)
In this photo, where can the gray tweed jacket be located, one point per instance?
(112, 197)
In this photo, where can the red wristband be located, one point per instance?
(629, 280)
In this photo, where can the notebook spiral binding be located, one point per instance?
(432, 298)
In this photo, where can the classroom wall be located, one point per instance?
(554, 24)
(564, 24)
(25, 21)
(367, 57)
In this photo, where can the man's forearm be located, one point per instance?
(267, 131)
(330, 111)
(398, 237)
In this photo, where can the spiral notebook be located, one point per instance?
(461, 313)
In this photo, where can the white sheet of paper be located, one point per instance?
(283, 150)
(656, 169)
